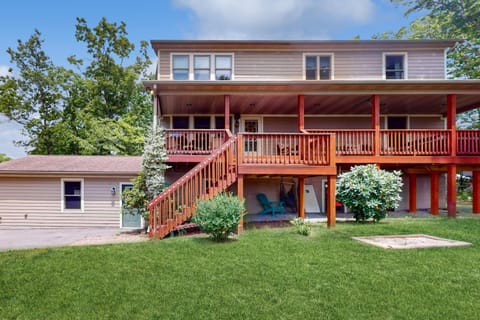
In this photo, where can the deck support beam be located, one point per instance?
(301, 197)
(331, 207)
(475, 191)
(226, 105)
(241, 197)
(412, 192)
(376, 123)
(301, 113)
(452, 190)
(434, 178)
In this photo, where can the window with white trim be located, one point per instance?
(72, 194)
(202, 66)
(318, 67)
(180, 67)
(223, 67)
(395, 66)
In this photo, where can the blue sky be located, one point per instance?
(186, 19)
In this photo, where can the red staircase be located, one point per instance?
(177, 203)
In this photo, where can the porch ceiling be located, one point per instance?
(410, 97)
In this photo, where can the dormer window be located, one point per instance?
(318, 67)
(202, 66)
(395, 65)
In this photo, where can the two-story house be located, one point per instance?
(280, 116)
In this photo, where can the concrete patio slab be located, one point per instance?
(410, 241)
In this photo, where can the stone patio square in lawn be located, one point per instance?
(410, 241)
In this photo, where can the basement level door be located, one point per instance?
(131, 217)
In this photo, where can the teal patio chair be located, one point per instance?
(270, 206)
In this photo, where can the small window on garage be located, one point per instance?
(72, 195)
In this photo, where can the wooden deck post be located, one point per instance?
(452, 190)
(226, 104)
(412, 192)
(434, 177)
(451, 122)
(376, 123)
(476, 191)
(332, 208)
(301, 112)
(301, 197)
(241, 197)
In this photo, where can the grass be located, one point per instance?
(264, 274)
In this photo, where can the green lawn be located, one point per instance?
(264, 274)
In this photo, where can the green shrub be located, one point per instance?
(369, 192)
(301, 227)
(219, 216)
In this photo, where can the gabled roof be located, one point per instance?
(73, 165)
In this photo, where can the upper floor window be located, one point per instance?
(205, 66)
(318, 67)
(202, 67)
(395, 66)
(223, 67)
(180, 67)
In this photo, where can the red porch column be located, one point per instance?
(412, 192)
(226, 105)
(452, 190)
(301, 113)
(241, 197)
(476, 191)
(376, 123)
(332, 208)
(434, 177)
(451, 121)
(301, 197)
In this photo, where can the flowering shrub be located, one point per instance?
(369, 192)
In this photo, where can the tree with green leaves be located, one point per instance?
(114, 109)
(151, 180)
(4, 157)
(101, 108)
(33, 96)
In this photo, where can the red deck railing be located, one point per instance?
(177, 203)
(285, 148)
(193, 142)
(351, 142)
(468, 142)
(419, 142)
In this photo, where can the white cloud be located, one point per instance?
(276, 19)
(4, 70)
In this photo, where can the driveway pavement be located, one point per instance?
(41, 238)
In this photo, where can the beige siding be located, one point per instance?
(36, 202)
(164, 72)
(427, 123)
(426, 65)
(347, 65)
(338, 123)
(365, 65)
(278, 124)
(268, 66)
